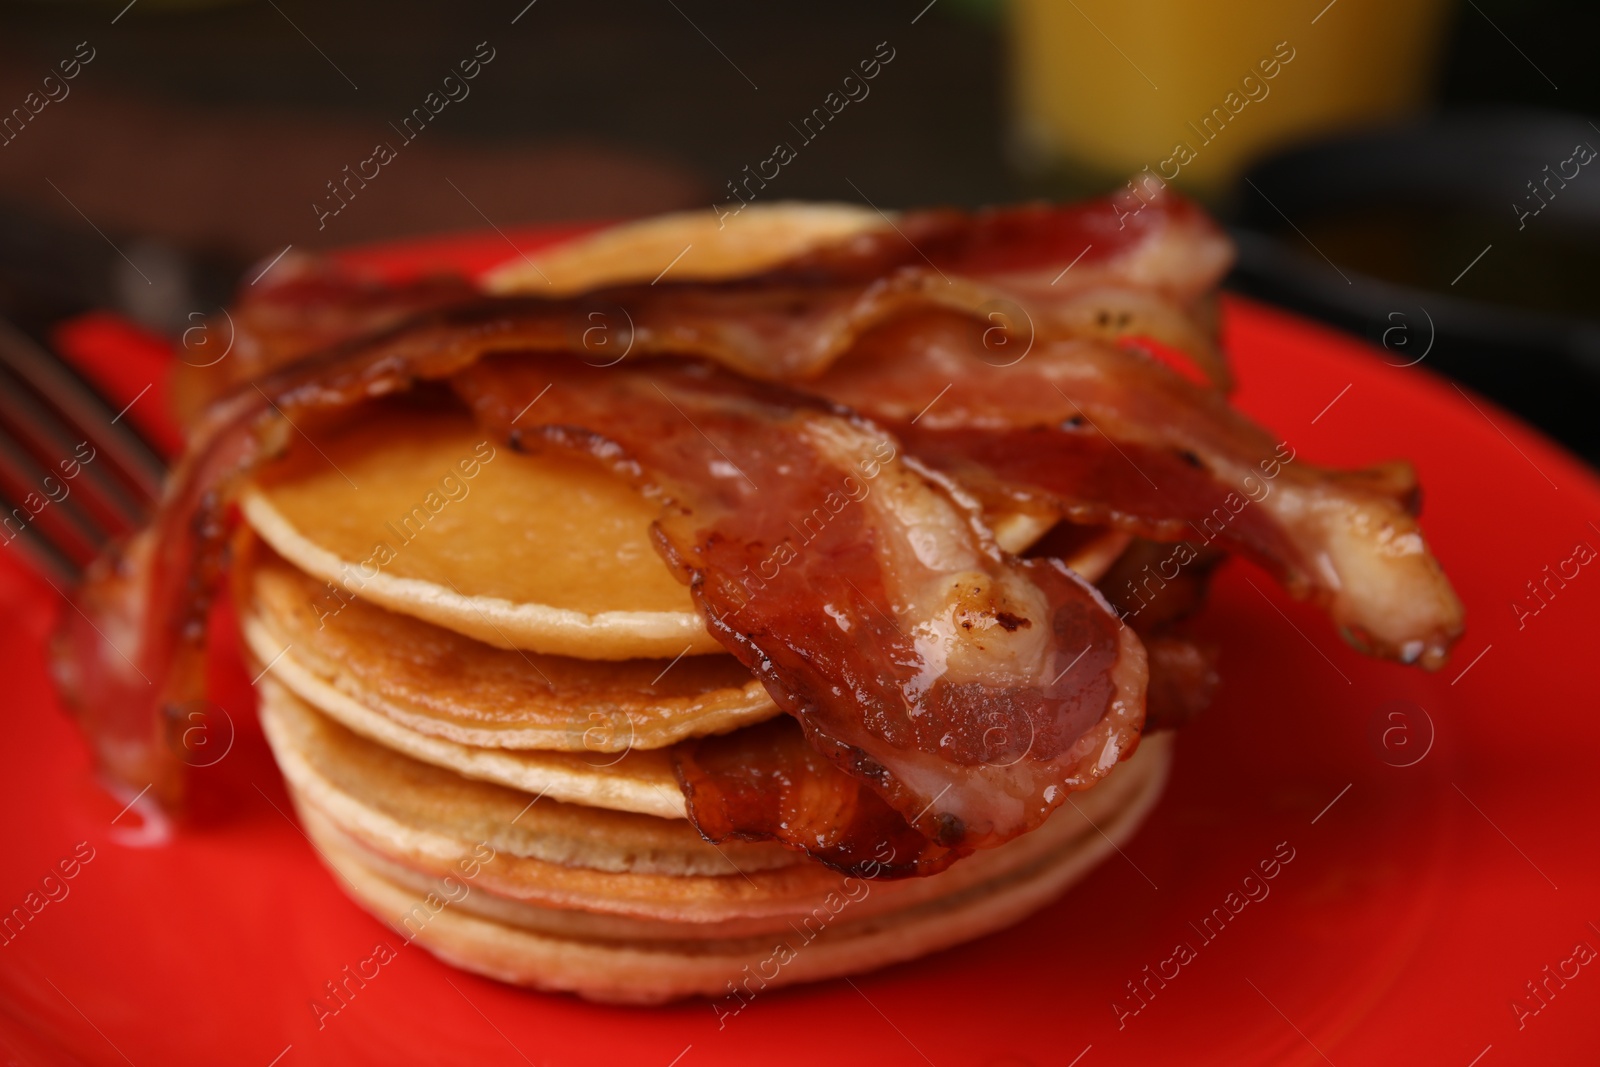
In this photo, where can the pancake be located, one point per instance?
(546, 553)
(543, 553)
(640, 781)
(429, 817)
(654, 972)
(463, 916)
(436, 813)
(437, 682)
(568, 856)
(688, 245)
(386, 677)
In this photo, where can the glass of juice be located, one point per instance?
(1193, 91)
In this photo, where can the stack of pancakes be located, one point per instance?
(475, 666)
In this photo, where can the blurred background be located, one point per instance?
(1414, 171)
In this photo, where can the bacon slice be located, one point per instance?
(971, 690)
(768, 782)
(1152, 585)
(1139, 267)
(1183, 679)
(1108, 435)
(1143, 263)
(303, 305)
(129, 658)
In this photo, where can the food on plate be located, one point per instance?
(642, 635)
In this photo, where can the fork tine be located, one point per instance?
(62, 387)
(54, 442)
(39, 550)
(23, 477)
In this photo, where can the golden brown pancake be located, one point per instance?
(470, 935)
(410, 686)
(438, 682)
(569, 856)
(598, 942)
(535, 552)
(416, 510)
(689, 245)
(549, 554)
(640, 781)
(421, 809)
(543, 553)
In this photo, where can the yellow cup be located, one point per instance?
(1196, 90)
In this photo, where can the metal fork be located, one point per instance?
(73, 475)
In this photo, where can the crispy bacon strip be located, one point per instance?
(1153, 585)
(971, 690)
(768, 782)
(129, 659)
(1108, 435)
(1140, 266)
(1140, 263)
(304, 305)
(1183, 679)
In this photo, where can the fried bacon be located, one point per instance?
(1143, 264)
(1146, 270)
(768, 781)
(304, 305)
(1183, 679)
(971, 690)
(935, 680)
(1106, 434)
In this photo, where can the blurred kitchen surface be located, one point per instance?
(196, 137)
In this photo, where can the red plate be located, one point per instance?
(1430, 836)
